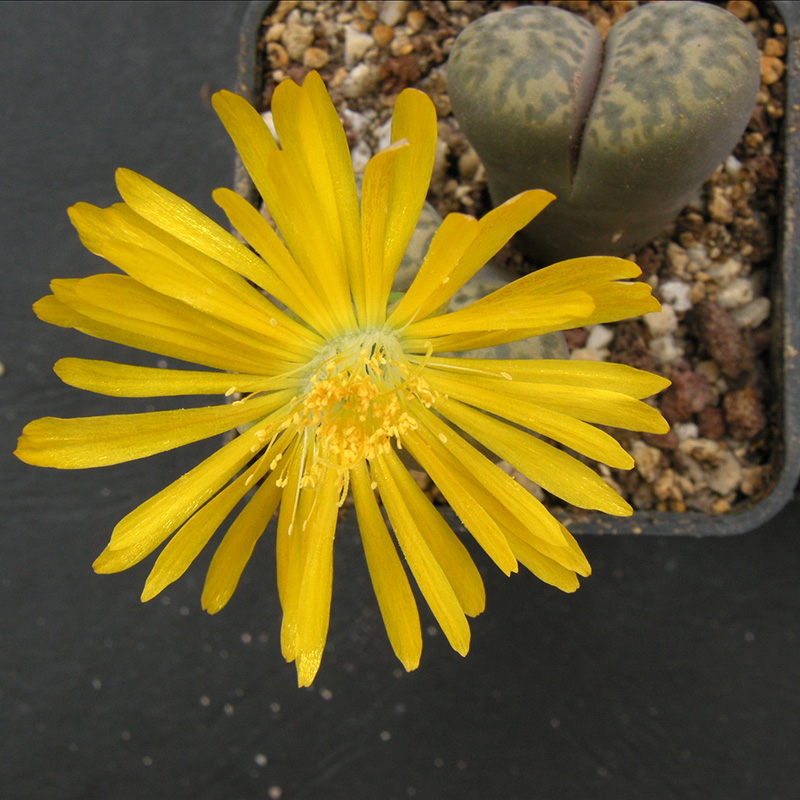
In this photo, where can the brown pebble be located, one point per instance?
(296, 39)
(365, 10)
(711, 423)
(401, 46)
(721, 506)
(284, 7)
(416, 20)
(649, 262)
(630, 345)
(663, 441)
(743, 9)
(382, 34)
(277, 56)
(688, 395)
(275, 31)
(744, 413)
(722, 339)
(720, 208)
(576, 338)
(771, 69)
(420, 478)
(397, 74)
(753, 481)
(774, 47)
(315, 58)
(360, 25)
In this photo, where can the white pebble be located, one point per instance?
(685, 431)
(725, 272)
(660, 323)
(665, 349)
(706, 451)
(356, 45)
(296, 38)
(727, 477)
(753, 314)
(733, 167)
(361, 81)
(358, 123)
(737, 294)
(677, 257)
(698, 256)
(648, 460)
(360, 155)
(589, 354)
(599, 337)
(393, 11)
(677, 294)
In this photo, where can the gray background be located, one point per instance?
(672, 673)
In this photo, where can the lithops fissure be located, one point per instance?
(623, 135)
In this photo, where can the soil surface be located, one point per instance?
(710, 269)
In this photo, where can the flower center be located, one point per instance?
(356, 402)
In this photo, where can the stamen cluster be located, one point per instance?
(357, 403)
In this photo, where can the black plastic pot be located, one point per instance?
(785, 296)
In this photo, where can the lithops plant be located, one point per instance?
(623, 135)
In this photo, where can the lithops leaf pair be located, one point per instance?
(623, 135)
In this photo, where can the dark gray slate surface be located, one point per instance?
(672, 674)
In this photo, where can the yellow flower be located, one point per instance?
(333, 382)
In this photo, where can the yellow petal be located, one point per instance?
(392, 589)
(443, 274)
(599, 406)
(552, 469)
(297, 213)
(586, 374)
(156, 518)
(291, 548)
(596, 275)
(450, 241)
(512, 401)
(296, 290)
(471, 513)
(413, 119)
(314, 602)
(162, 340)
(122, 302)
(151, 523)
(193, 535)
(181, 220)
(120, 224)
(375, 195)
(425, 566)
(100, 441)
(570, 558)
(496, 320)
(167, 277)
(123, 380)
(310, 131)
(237, 546)
(544, 568)
(511, 506)
(284, 541)
(248, 131)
